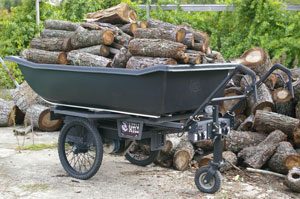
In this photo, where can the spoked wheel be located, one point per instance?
(80, 148)
(141, 155)
(209, 187)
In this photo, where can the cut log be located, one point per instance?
(238, 140)
(183, 155)
(205, 145)
(200, 47)
(292, 180)
(44, 57)
(119, 14)
(60, 25)
(277, 161)
(91, 26)
(91, 38)
(87, 59)
(176, 35)
(157, 48)
(296, 135)
(268, 121)
(257, 156)
(228, 104)
(7, 113)
(292, 160)
(56, 33)
(51, 44)
(192, 58)
(114, 51)
(116, 45)
(120, 60)
(129, 28)
(189, 40)
(138, 62)
(283, 102)
(100, 50)
(154, 23)
(264, 100)
(247, 124)
(228, 157)
(40, 117)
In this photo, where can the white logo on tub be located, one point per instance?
(130, 127)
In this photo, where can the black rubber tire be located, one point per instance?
(98, 143)
(152, 157)
(215, 183)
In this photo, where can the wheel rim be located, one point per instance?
(79, 149)
(208, 185)
(139, 152)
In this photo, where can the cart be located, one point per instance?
(112, 110)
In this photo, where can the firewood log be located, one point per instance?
(292, 180)
(228, 157)
(279, 82)
(189, 40)
(60, 25)
(119, 14)
(205, 145)
(87, 59)
(257, 156)
(200, 47)
(176, 35)
(182, 155)
(154, 23)
(238, 140)
(228, 104)
(116, 45)
(296, 135)
(91, 38)
(120, 60)
(114, 51)
(246, 78)
(277, 161)
(157, 48)
(40, 117)
(129, 28)
(56, 33)
(238, 120)
(269, 121)
(247, 124)
(100, 50)
(292, 160)
(283, 102)
(138, 62)
(192, 58)
(7, 113)
(51, 44)
(90, 26)
(44, 57)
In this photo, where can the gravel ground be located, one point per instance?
(39, 174)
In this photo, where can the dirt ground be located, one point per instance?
(39, 174)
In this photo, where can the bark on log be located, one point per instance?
(238, 140)
(183, 154)
(189, 40)
(56, 33)
(154, 23)
(200, 47)
(228, 157)
(7, 112)
(51, 44)
(247, 124)
(129, 28)
(296, 87)
(87, 59)
(228, 104)
(120, 60)
(119, 14)
(292, 180)
(296, 135)
(116, 45)
(292, 160)
(283, 102)
(44, 57)
(40, 117)
(114, 51)
(100, 50)
(176, 35)
(91, 38)
(60, 25)
(157, 48)
(277, 161)
(194, 58)
(257, 156)
(139, 62)
(268, 121)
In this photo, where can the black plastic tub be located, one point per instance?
(154, 91)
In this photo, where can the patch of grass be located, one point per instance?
(39, 147)
(35, 187)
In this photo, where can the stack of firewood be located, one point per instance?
(115, 38)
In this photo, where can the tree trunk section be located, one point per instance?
(114, 51)
(87, 59)
(269, 121)
(40, 117)
(283, 102)
(60, 25)
(157, 48)
(277, 161)
(193, 59)
(119, 14)
(51, 44)
(292, 160)
(189, 40)
(138, 62)
(238, 140)
(247, 124)
(176, 35)
(7, 113)
(46, 33)
(257, 156)
(200, 47)
(228, 104)
(183, 155)
(129, 28)
(228, 157)
(120, 60)
(292, 180)
(44, 57)
(100, 50)
(91, 38)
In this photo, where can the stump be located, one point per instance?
(228, 104)
(100, 50)
(44, 57)
(228, 157)
(257, 156)
(283, 102)
(56, 33)
(277, 161)
(92, 38)
(60, 25)
(176, 35)
(120, 60)
(7, 113)
(40, 116)
(292, 180)
(87, 59)
(138, 62)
